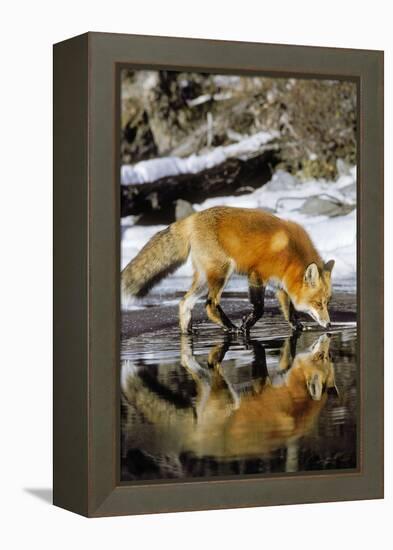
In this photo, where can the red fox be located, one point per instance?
(269, 416)
(222, 240)
(228, 424)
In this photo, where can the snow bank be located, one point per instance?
(151, 170)
(334, 237)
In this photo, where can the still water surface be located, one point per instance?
(208, 405)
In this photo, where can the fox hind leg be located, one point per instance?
(256, 293)
(216, 283)
(198, 288)
(201, 375)
(215, 359)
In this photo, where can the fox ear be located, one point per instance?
(314, 387)
(311, 275)
(331, 387)
(332, 390)
(329, 266)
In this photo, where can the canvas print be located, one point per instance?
(238, 276)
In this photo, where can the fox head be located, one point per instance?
(315, 293)
(318, 368)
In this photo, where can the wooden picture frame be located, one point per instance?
(86, 273)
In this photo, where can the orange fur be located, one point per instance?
(227, 424)
(226, 239)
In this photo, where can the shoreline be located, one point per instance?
(161, 317)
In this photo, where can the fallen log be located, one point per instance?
(155, 202)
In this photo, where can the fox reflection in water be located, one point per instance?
(219, 421)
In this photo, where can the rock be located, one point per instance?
(349, 191)
(282, 181)
(183, 209)
(316, 206)
(343, 168)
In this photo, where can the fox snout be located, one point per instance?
(321, 344)
(322, 318)
(319, 313)
(325, 324)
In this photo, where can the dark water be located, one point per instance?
(208, 405)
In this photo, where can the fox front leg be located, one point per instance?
(289, 311)
(256, 293)
(294, 318)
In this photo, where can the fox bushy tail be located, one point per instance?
(160, 256)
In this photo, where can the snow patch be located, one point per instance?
(148, 171)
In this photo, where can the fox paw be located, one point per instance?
(189, 329)
(297, 326)
(233, 329)
(247, 323)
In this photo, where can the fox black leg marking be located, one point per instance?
(225, 319)
(294, 318)
(259, 366)
(217, 354)
(257, 298)
(216, 283)
(216, 314)
(293, 344)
